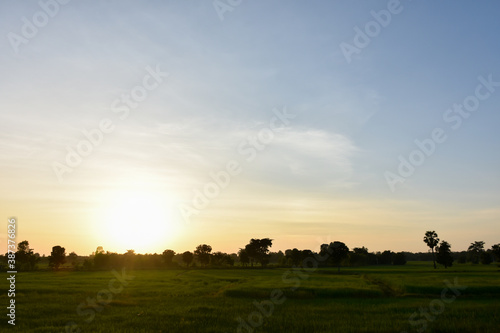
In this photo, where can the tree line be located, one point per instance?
(254, 254)
(475, 253)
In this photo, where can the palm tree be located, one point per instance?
(431, 239)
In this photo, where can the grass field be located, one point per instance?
(367, 299)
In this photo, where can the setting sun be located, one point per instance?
(138, 220)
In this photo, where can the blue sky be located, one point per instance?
(321, 176)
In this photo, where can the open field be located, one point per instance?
(366, 299)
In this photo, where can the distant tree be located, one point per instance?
(443, 255)
(294, 255)
(221, 259)
(129, 258)
(217, 258)
(372, 259)
(399, 259)
(258, 250)
(276, 257)
(187, 258)
(304, 254)
(26, 259)
(73, 259)
(243, 257)
(474, 251)
(229, 260)
(359, 256)
(167, 256)
(57, 257)
(432, 240)
(385, 258)
(202, 254)
(336, 252)
(87, 264)
(101, 260)
(495, 250)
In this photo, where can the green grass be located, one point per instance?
(367, 299)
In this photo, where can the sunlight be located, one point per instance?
(139, 220)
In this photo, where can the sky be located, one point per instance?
(160, 125)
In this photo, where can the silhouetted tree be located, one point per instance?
(276, 257)
(129, 258)
(87, 264)
(443, 255)
(73, 259)
(336, 251)
(385, 258)
(57, 257)
(217, 258)
(495, 250)
(258, 250)
(202, 253)
(359, 256)
(372, 259)
(243, 257)
(101, 260)
(26, 259)
(221, 259)
(294, 255)
(474, 251)
(167, 256)
(229, 259)
(432, 240)
(187, 258)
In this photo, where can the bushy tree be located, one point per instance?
(129, 258)
(336, 253)
(202, 253)
(167, 256)
(73, 259)
(57, 257)
(243, 257)
(26, 259)
(296, 257)
(258, 250)
(187, 258)
(474, 251)
(221, 259)
(432, 240)
(293, 256)
(359, 256)
(443, 255)
(385, 258)
(495, 251)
